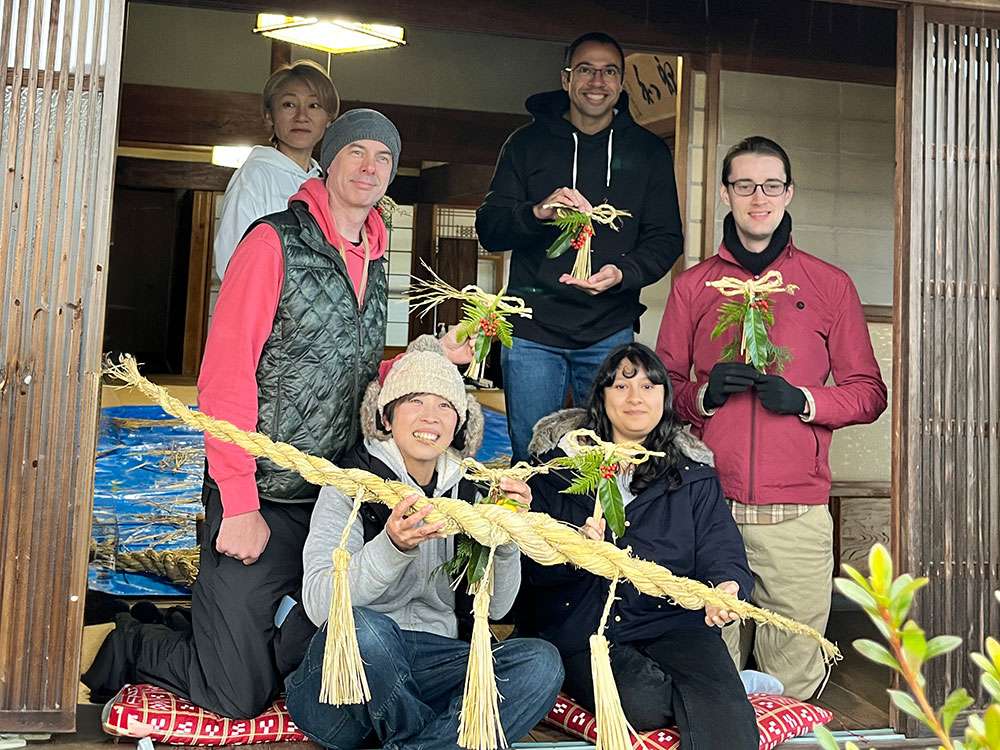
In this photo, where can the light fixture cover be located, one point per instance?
(336, 36)
(230, 156)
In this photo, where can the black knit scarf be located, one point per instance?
(755, 263)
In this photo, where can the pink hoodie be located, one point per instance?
(241, 324)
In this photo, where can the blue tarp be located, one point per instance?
(147, 490)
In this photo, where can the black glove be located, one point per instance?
(726, 379)
(779, 396)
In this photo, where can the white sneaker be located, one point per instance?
(761, 682)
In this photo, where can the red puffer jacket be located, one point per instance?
(762, 457)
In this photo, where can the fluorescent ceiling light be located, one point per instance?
(336, 36)
(230, 156)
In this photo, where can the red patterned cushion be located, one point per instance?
(779, 718)
(148, 711)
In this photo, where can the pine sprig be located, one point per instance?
(484, 315)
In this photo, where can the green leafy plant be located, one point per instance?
(574, 225)
(484, 315)
(750, 319)
(595, 475)
(887, 600)
(482, 323)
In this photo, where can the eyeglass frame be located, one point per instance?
(619, 73)
(784, 187)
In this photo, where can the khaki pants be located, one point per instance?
(792, 564)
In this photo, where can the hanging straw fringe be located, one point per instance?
(480, 727)
(344, 680)
(545, 540)
(770, 283)
(613, 730)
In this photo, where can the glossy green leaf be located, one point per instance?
(914, 644)
(755, 339)
(562, 243)
(855, 593)
(482, 347)
(613, 506)
(941, 644)
(825, 738)
(881, 625)
(993, 651)
(992, 686)
(905, 703)
(479, 555)
(955, 703)
(901, 596)
(856, 576)
(880, 565)
(991, 722)
(876, 652)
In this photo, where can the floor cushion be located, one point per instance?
(148, 711)
(779, 718)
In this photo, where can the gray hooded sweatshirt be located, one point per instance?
(406, 586)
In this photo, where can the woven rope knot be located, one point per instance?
(770, 283)
(621, 453)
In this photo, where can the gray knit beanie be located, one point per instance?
(360, 125)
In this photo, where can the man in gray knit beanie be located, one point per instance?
(360, 125)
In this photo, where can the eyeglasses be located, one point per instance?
(771, 188)
(610, 72)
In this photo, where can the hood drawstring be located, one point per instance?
(576, 148)
(611, 139)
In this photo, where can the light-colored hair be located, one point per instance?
(309, 73)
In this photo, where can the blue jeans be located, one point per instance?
(536, 376)
(416, 681)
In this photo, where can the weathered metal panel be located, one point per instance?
(61, 61)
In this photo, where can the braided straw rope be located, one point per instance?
(542, 538)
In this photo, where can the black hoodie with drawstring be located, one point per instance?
(624, 165)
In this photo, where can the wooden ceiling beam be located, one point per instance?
(166, 114)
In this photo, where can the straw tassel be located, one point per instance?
(613, 730)
(480, 727)
(344, 680)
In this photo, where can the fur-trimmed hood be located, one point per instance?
(369, 405)
(550, 430)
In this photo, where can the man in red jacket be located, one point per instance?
(771, 432)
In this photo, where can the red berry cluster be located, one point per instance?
(760, 304)
(488, 324)
(609, 470)
(581, 237)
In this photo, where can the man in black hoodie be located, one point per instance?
(583, 148)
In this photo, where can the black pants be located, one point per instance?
(227, 663)
(684, 678)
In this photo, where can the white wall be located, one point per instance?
(195, 48)
(840, 137)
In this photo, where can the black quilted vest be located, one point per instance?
(320, 356)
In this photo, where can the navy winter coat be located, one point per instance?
(689, 530)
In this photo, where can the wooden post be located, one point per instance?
(52, 290)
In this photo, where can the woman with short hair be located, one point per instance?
(298, 103)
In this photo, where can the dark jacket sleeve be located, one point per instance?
(720, 554)
(506, 221)
(547, 498)
(661, 239)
